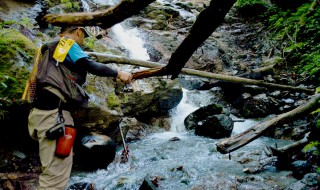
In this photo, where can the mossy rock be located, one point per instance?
(16, 56)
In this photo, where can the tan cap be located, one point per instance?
(70, 28)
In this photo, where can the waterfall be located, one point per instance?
(130, 39)
(179, 113)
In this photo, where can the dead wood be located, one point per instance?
(239, 140)
(291, 147)
(104, 18)
(159, 70)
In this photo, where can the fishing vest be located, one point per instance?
(64, 76)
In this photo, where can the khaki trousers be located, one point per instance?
(55, 171)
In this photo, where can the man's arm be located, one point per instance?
(100, 69)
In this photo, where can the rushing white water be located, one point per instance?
(190, 163)
(130, 39)
(180, 112)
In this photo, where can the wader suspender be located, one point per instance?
(60, 118)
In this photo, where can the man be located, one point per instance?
(54, 97)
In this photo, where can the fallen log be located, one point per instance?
(104, 18)
(106, 58)
(235, 142)
(291, 147)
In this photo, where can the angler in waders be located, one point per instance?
(55, 90)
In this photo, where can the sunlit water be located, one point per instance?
(190, 163)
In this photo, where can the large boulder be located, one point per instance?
(216, 126)
(94, 151)
(152, 97)
(201, 114)
(260, 105)
(210, 122)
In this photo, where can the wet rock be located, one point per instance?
(299, 132)
(191, 83)
(175, 139)
(201, 114)
(216, 126)
(312, 155)
(251, 170)
(155, 123)
(297, 186)
(300, 168)
(19, 154)
(96, 118)
(310, 181)
(288, 101)
(254, 90)
(152, 98)
(132, 129)
(275, 94)
(207, 121)
(81, 186)
(95, 151)
(148, 184)
(258, 106)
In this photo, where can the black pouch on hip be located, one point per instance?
(58, 130)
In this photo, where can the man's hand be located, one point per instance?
(124, 76)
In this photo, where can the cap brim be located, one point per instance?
(86, 33)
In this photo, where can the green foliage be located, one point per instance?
(244, 3)
(311, 145)
(297, 32)
(251, 8)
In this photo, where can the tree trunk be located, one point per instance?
(239, 140)
(199, 32)
(104, 19)
(159, 71)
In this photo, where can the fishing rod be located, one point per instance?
(125, 151)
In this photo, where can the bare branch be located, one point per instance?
(104, 19)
